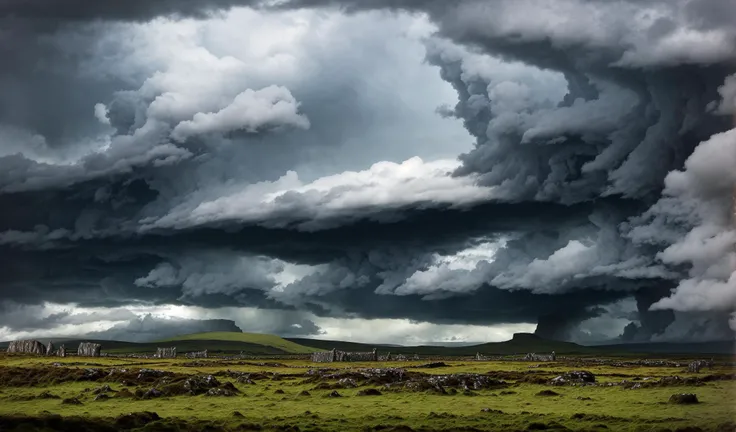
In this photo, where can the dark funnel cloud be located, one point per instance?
(599, 170)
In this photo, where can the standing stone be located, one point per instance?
(165, 352)
(27, 347)
(62, 351)
(87, 349)
(50, 349)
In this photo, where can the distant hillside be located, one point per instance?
(265, 340)
(521, 343)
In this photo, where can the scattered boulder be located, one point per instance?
(104, 389)
(220, 392)
(200, 384)
(230, 386)
(334, 394)
(684, 399)
(548, 393)
(244, 380)
(347, 383)
(101, 397)
(237, 414)
(304, 393)
(150, 373)
(574, 378)
(152, 393)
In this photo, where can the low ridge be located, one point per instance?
(268, 340)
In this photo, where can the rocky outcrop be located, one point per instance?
(574, 378)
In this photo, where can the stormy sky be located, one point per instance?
(397, 171)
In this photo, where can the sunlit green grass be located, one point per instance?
(618, 409)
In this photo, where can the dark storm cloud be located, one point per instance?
(149, 328)
(135, 10)
(575, 184)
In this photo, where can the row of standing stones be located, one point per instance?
(37, 348)
(86, 349)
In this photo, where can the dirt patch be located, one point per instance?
(136, 420)
(434, 365)
(369, 392)
(124, 393)
(684, 399)
(547, 393)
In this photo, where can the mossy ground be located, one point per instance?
(259, 404)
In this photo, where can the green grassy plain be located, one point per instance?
(262, 406)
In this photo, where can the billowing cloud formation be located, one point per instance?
(292, 175)
(249, 111)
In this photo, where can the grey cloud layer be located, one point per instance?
(626, 160)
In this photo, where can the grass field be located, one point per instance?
(294, 395)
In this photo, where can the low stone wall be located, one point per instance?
(27, 347)
(165, 352)
(88, 349)
(324, 356)
(540, 358)
(197, 354)
(344, 356)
